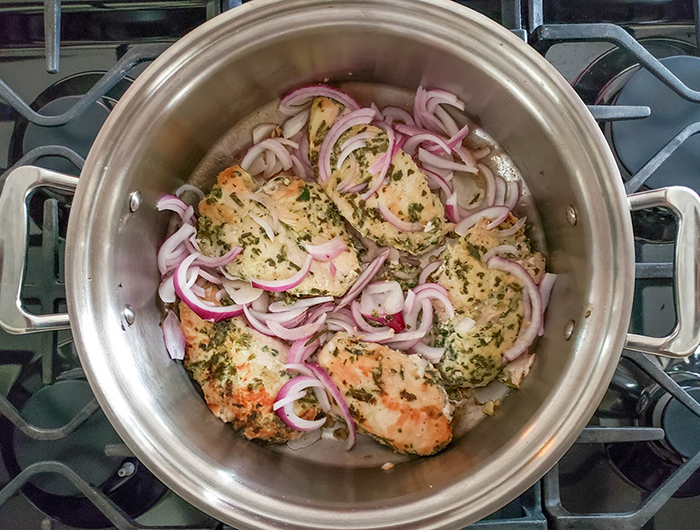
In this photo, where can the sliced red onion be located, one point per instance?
(490, 183)
(393, 220)
(289, 417)
(497, 213)
(481, 153)
(262, 131)
(437, 96)
(408, 339)
(436, 161)
(464, 325)
(221, 294)
(382, 298)
(295, 101)
(378, 179)
(448, 124)
(261, 304)
(174, 337)
(457, 138)
(466, 156)
(513, 194)
(378, 336)
(241, 292)
(166, 290)
(208, 276)
(261, 200)
(257, 165)
(332, 269)
(395, 322)
(339, 399)
(429, 353)
(359, 318)
(364, 279)
(295, 124)
(279, 307)
(171, 244)
(256, 323)
(299, 333)
(428, 270)
(188, 187)
(352, 144)
(286, 317)
(499, 251)
(320, 310)
(546, 286)
(523, 342)
(320, 393)
(286, 412)
(357, 117)
(414, 141)
(347, 184)
(174, 204)
(275, 146)
(500, 195)
(435, 291)
(513, 229)
(394, 114)
(285, 285)
(221, 261)
(327, 251)
(294, 389)
(422, 116)
(452, 208)
(203, 309)
(264, 225)
(338, 324)
(409, 302)
(438, 181)
(300, 351)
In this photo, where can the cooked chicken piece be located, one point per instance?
(515, 372)
(405, 193)
(306, 215)
(240, 372)
(394, 397)
(492, 298)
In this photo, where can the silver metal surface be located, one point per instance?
(14, 318)
(685, 337)
(240, 61)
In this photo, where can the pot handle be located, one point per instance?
(14, 318)
(685, 337)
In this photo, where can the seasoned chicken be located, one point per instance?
(492, 298)
(405, 192)
(396, 398)
(306, 217)
(240, 372)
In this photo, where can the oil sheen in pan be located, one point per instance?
(230, 149)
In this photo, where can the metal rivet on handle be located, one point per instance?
(569, 329)
(129, 314)
(571, 215)
(134, 201)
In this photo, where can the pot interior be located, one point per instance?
(182, 107)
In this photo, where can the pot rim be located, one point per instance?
(539, 447)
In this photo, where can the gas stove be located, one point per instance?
(63, 67)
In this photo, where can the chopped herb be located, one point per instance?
(305, 195)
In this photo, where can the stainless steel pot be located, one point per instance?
(219, 73)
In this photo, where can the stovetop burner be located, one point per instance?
(636, 142)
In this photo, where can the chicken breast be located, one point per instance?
(394, 397)
(306, 217)
(492, 298)
(405, 192)
(240, 372)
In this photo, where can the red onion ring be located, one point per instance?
(438, 181)
(429, 353)
(513, 229)
(188, 187)
(327, 251)
(320, 392)
(203, 309)
(426, 157)
(170, 245)
(175, 204)
(490, 183)
(263, 131)
(174, 337)
(364, 279)
(391, 150)
(359, 318)
(452, 208)
(393, 114)
(499, 251)
(300, 351)
(546, 286)
(357, 117)
(295, 124)
(500, 194)
(279, 307)
(296, 100)
(286, 412)
(221, 261)
(513, 194)
(339, 399)
(393, 220)
(166, 290)
(299, 333)
(415, 140)
(428, 270)
(285, 285)
(263, 224)
(525, 340)
(498, 213)
(408, 339)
